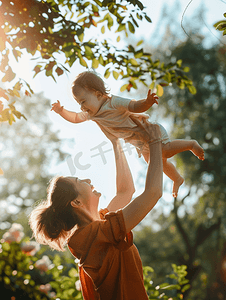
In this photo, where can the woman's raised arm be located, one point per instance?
(135, 211)
(124, 180)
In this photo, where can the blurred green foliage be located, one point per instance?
(27, 153)
(22, 278)
(191, 229)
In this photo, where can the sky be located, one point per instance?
(84, 159)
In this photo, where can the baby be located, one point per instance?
(124, 118)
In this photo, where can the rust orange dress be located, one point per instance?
(110, 267)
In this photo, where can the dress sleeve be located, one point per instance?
(114, 229)
(120, 103)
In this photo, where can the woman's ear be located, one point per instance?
(75, 203)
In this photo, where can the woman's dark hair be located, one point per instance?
(90, 81)
(54, 219)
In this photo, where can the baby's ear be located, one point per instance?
(99, 94)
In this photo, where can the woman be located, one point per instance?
(110, 267)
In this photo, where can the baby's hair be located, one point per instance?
(91, 81)
(54, 219)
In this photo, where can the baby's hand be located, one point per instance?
(57, 107)
(151, 98)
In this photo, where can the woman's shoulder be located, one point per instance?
(82, 239)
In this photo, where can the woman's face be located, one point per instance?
(87, 194)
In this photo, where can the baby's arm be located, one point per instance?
(70, 116)
(144, 104)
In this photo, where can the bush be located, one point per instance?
(25, 273)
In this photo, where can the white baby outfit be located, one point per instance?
(115, 117)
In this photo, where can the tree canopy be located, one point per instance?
(47, 28)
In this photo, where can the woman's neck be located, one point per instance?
(86, 217)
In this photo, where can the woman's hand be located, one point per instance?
(153, 131)
(57, 107)
(149, 133)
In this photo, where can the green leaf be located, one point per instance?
(73, 272)
(185, 288)
(152, 85)
(167, 77)
(131, 27)
(6, 279)
(220, 25)
(148, 19)
(140, 42)
(5, 247)
(171, 287)
(124, 87)
(192, 89)
(107, 73)
(115, 74)
(121, 27)
(72, 59)
(147, 269)
(133, 84)
(88, 52)
(50, 30)
(110, 22)
(101, 60)
(95, 63)
(81, 37)
(95, 8)
(160, 90)
(139, 17)
(162, 285)
(118, 38)
(102, 29)
(82, 62)
(172, 276)
(186, 69)
(179, 63)
(156, 63)
(134, 62)
(139, 53)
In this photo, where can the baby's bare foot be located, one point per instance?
(176, 185)
(197, 150)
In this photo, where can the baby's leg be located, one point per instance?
(170, 170)
(177, 146)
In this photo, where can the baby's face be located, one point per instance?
(88, 101)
